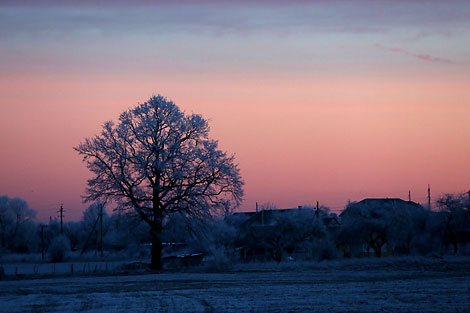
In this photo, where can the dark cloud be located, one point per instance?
(127, 3)
(242, 16)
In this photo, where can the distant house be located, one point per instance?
(390, 203)
(271, 233)
(273, 217)
(332, 222)
(378, 226)
(268, 217)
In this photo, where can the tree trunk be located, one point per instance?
(157, 228)
(453, 237)
(376, 245)
(156, 263)
(378, 251)
(456, 246)
(3, 237)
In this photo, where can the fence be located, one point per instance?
(59, 268)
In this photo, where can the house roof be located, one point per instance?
(248, 214)
(238, 218)
(266, 217)
(387, 203)
(332, 220)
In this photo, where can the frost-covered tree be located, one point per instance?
(281, 231)
(455, 217)
(157, 161)
(6, 219)
(91, 214)
(126, 229)
(16, 224)
(378, 222)
(366, 223)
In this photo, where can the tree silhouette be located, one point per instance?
(157, 161)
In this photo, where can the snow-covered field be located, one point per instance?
(372, 286)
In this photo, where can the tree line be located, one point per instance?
(284, 234)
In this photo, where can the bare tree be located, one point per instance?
(455, 215)
(157, 161)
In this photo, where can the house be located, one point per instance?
(238, 218)
(378, 226)
(332, 221)
(390, 203)
(271, 233)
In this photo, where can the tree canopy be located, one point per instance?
(157, 160)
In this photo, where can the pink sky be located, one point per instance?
(319, 100)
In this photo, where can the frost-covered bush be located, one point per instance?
(126, 230)
(59, 248)
(322, 249)
(199, 234)
(218, 260)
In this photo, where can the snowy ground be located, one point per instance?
(440, 286)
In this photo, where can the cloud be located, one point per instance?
(127, 3)
(422, 57)
(49, 19)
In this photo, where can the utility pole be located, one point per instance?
(256, 207)
(317, 212)
(409, 195)
(61, 215)
(101, 230)
(42, 241)
(429, 197)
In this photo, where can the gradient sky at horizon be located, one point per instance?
(319, 100)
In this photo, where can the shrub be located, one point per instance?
(218, 261)
(59, 248)
(322, 250)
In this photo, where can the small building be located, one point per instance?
(271, 233)
(369, 226)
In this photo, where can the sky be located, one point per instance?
(325, 101)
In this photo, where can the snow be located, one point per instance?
(326, 289)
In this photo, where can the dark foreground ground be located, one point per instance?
(382, 286)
